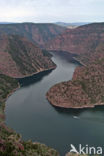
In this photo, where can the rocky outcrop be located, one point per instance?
(20, 57)
(87, 86)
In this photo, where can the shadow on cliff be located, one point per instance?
(69, 57)
(25, 82)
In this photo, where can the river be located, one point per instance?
(29, 113)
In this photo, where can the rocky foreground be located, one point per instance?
(87, 86)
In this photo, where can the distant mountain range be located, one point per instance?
(71, 24)
(58, 23)
(6, 23)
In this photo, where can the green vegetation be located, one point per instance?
(46, 53)
(7, 84)
(29, 58)
(11, 144)
(18, 51)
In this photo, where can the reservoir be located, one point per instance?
(29, 113)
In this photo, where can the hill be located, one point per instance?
(20, 57)
(87, 86)
(6, 23)
(39, 34)
(80, 40)
(71, 25)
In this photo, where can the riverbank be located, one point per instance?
(70, 57)
(11, 143)
(18, 86)
(2, 106)
(79, 61)
(35, 118)
(86, 88)
(66, 107)
(43, 70)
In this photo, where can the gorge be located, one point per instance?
(87, 86)
(36, 119)
(24, 54)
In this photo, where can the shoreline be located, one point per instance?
(20, 144)
(72, 56)
(33, 74)
(75, 108)
(79, 61)
(19, 86)
(12, 92)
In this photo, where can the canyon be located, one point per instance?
(39, 33)
(24, 52)
(20, 57)
(22, 48)
(86, 88)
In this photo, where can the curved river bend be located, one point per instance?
(29, 113)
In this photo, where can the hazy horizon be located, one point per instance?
(45, 22)
(51, 11)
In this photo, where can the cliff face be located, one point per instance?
(39, 34)
(20, 57)
(80, 40)
(87, 86)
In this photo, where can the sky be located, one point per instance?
(39, 11)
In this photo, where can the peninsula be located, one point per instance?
(86, 90)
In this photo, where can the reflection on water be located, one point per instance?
(29, 113)
(25, 82)
(91, 114)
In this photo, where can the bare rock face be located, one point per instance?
(20, 57)
(87, 86)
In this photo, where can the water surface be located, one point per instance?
(29, 113)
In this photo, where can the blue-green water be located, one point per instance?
(29, 113)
